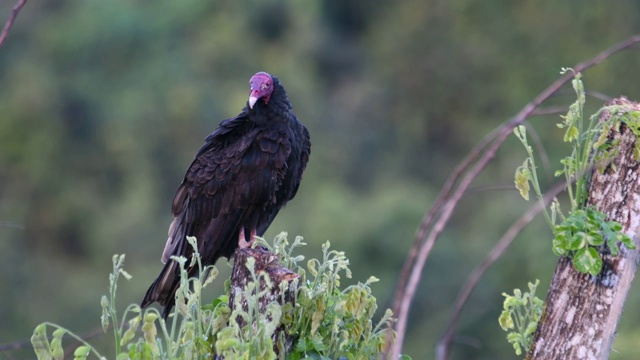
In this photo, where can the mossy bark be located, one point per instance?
(265, 263)
(581, 311)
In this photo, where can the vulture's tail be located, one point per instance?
(163, 290)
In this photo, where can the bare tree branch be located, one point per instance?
(14, 14)
(551, 110)
(542, 152)
(12, 225)
(428, 218)
(433, 225)
(599, 95)
(485, 188)
(26, 344)
(442, 350)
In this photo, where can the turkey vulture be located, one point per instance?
(246, 171)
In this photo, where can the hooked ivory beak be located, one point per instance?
(252, 101)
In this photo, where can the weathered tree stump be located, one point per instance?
(265, 262)
(582, 311)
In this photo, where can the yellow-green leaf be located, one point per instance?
(571, 134)
(40, 342)
(522, 180)
(505, 320)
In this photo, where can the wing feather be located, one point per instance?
(225, 184)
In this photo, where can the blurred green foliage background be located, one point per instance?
(104, 103)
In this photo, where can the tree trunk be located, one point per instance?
(582, 311)
(265, 262)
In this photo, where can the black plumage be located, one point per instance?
(246, 171)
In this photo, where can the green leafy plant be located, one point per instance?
(327, 322)
(583, 229)
(520, 315)
(185, 337)
(581, 232)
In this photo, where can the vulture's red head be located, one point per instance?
(261, 88)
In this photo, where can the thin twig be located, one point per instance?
(442, 350)
(550, 110)
(598, 95)
(14, 14)
(423, 244)
(18, 345)
(542, 152)
(485, 188)
(12, 225)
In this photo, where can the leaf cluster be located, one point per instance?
(583, 229)
(584, 233)
(520, 315)
(329, 322)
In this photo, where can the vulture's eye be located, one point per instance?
(264, 86)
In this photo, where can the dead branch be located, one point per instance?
(542, 152)
(444, 346)
(12, 18)
(428, 218)
(438, 216)
(12, 225)
(26, 344)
